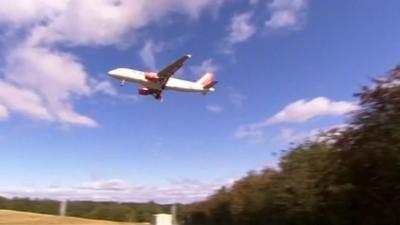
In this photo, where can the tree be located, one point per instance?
(369, 156)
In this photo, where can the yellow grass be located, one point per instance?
(23, 218)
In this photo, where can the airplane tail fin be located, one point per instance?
(208, 82)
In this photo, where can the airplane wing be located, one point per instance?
(170, 70)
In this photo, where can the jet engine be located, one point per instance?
(145, 91)
(151, 77)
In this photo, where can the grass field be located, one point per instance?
(23, 218)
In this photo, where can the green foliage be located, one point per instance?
(368, 169)
(24, 204)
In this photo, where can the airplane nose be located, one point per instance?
(112, 73)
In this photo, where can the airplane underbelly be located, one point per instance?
(146, 83)
(182, 88)
(151, 85)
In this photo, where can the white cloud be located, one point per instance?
(215, 108)
(24, 12)
(207, 65)
(183, 191)
(303, 110)
(240, 29)
(89, 22)
(23, 101)
(253, 2)
(251, 131)
(105, 22)
(236, 98)
(107, 88)
(105, 185)
(3, 113)
(54, 74)
(292, 135)
(147, 53)
(286, 13)
(104, 87)
(297, 112)
(288, 134)
(53, 78)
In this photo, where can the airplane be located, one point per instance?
(155, 83)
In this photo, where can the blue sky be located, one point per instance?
(287, 68)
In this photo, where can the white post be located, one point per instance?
(163, 219)
(63, 207)
(173, 212)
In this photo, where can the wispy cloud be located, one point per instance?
(249, 131)
(291, 135)
(215, 108)
(43, 81)
(182, 190)
(3, 112)
(297, 112)
(22, 13)
(148, 52)
(99, 22)
(107, 88)
(253, 2)
(236, 98)
(240, 29)
(303, 110)
(104, 185)
(205, 66)
(283, 14)
(286, 13)
(23, 101)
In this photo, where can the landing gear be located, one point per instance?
(122, 82)
(158, 97)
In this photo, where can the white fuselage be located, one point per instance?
(139, 77)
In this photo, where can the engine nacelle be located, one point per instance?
(145, 91)
(151, 77)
